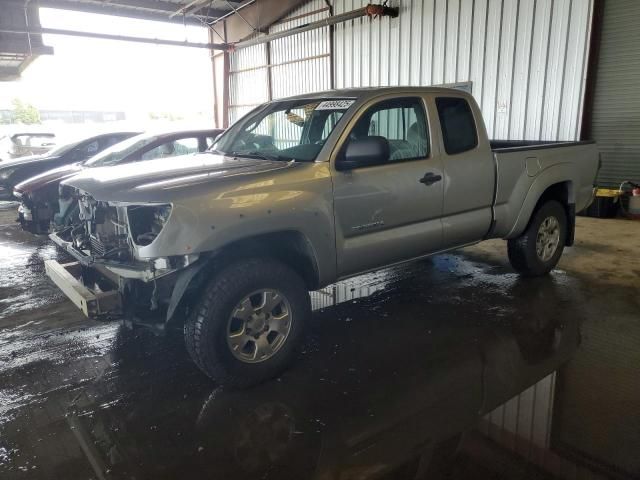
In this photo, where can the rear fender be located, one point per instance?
(545, 182)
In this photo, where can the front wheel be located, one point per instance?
(248, 322)
(538, 250)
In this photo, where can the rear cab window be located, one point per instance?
(457, 123)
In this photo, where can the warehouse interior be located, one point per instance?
(455, 365)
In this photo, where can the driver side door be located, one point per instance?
(389, 213)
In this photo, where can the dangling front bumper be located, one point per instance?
(94, 304)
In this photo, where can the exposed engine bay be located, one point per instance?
(111, 233)
(35, 214)
(105, 238)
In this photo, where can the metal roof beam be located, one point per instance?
(370, 10)
(256, 16)
(142, 9)
(107, 36)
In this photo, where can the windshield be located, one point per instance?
(118, 152)
(62, 149)
(289, 130)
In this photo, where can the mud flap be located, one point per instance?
(571, 224)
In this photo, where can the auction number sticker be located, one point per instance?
(335, 104)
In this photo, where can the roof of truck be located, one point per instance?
(367, 92)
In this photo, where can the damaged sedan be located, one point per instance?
(17, 170)
(45, 204)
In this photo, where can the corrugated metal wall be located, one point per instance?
(298, 64)
(526, 58)
(528, 415)
(616, 109)
(248, 84)
(301, 63)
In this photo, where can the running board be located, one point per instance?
(93, 304)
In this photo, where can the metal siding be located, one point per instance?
(555, 68)
(248, 80)
(465, 32)
(521, 69)
(526, 58)
(537, 68)
(528, 416)
(451, 41)
(301, 62)
(616, 110)
(491, 57)
(439, 38)
(504, 85)
(574, 72)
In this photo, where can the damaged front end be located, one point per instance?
(34, 213)
(105, 240)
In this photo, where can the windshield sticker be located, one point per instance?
(335, 104)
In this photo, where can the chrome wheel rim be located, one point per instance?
(259, 326)
(548, 238)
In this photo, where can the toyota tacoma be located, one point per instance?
(300, 193)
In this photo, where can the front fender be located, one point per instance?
(183, 281)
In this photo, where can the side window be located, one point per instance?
(185, 146)
(93, 148)
(86, 151)
(173, 148)
(457, 123)
(402, 122)
(209, 141)
(108, 141)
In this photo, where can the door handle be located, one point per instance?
(430, 178)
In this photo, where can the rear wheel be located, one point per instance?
(248, 322)
(538, 250)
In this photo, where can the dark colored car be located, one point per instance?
(43, 202)
(15, 171)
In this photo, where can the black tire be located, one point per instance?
(206, 329)
(522, 250)
(190, 339)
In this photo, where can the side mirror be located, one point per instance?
(364, 152)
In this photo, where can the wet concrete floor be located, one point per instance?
(453, 367)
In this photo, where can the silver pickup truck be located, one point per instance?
(303, 192)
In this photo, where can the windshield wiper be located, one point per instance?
(263, 156)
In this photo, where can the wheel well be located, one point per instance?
(563, 193)
(290, 247)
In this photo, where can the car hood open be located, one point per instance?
(161, 180)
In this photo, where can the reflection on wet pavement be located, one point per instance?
(448, 368)
(24, 285)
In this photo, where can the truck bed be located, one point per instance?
(519, 145)
(524, 169)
